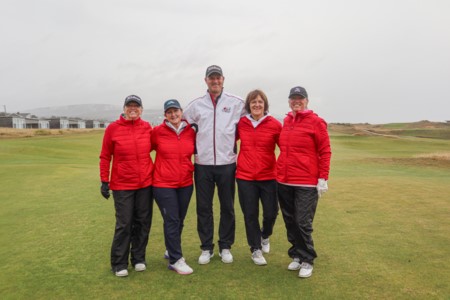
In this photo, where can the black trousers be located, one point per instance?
(173, 204)
(250, 192)
(133, 221)
(206, 177)
(298, 206)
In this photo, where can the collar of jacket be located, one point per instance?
(215, 100)
(126, 122)
(183, 125)
(301, 114)
(249, 119)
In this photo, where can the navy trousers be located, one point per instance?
(298, 206)
(250, 192)
(173, 204)
(206, 177)
(133, 221)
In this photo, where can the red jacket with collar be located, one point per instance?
(305, 151)
(173, 162)
(256, 160)
(127, 144)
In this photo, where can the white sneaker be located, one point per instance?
(258, 258)
(166, 255)
(140, 267)
(295, 264)
(265, 245)
(181, 267)
(205, 257)
(122, 273)
(305, 270)
(226, 255)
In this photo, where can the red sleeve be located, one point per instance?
(323, 149)
(153, 138)
(237, 130)
(106, 155)
(279, 127)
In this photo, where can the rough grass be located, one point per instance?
(24, 133)
(440, 156)
(380, 232)
(422, 129)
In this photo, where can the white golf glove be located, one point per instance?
(322, 187)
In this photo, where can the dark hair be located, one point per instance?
(252, 95)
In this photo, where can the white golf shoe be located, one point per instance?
(205, 257)
(258, 258)
(122, 273)
(265, 245)
(140, 267)
(181, 267)
(226, 255)
(305, 270)
(295, 264)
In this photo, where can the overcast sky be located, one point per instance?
(373, 61)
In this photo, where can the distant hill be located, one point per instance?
(103, 112)
(422, 129)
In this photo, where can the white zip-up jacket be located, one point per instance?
(216, 135)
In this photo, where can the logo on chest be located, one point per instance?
(226, 109)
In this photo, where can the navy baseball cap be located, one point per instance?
(133, 98)
(172, 103)
(298, 91)
(213, 70)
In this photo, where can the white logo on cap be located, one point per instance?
(297, 90)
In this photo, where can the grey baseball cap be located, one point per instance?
(172, 103)
(133, 98)
(213, 70)
(298, 91)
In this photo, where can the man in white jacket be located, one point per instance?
(216, 115)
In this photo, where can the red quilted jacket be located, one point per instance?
(305, 151)
(256, 160)
(127, 144)
(173, 162)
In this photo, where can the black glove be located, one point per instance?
(195, 127)
(104, 189)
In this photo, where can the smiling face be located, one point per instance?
(132, 111)
(298, 103)
(257, 108)
(215, 83)
(173, 115)
(256, 104)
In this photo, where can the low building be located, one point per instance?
(12, 121)
(77, 123)
(59, 123)
(104, 124)
(32, 121)
(92, 124)
(26, 120)
(37, 123)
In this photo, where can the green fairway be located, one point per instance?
(381, 232)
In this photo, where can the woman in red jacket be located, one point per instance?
(173, 142)
(256, 172)
(302, 173)
(127, 143)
